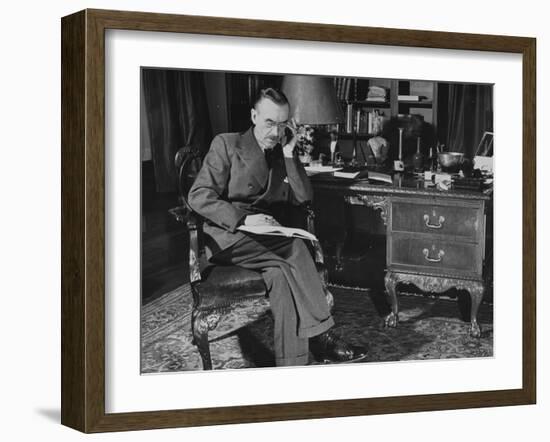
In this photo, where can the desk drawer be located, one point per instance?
(425, 254)
(462, 219)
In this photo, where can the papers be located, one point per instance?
(377, 93)
(289, 232)
(352, 173)
(484, 164)
(312, 170)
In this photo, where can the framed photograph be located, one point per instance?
(267, 221)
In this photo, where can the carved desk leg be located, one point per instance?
(476, 290)
(435, 284)
(390, 281)
(339, 265)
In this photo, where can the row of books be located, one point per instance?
(360, 121)
(346, 88)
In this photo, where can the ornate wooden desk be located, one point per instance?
(434, 239)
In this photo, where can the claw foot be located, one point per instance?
(475, 331)
(391, 320)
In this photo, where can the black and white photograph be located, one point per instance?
(251, 221)
(293, 220)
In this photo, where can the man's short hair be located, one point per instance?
(272, 94)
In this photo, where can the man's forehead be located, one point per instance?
(269, 109)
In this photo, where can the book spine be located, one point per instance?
(408, 97)
(369, 123)
(349, 117)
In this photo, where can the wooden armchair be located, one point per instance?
(219, 289)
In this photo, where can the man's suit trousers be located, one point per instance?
(295, 290)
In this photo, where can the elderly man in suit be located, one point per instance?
(244, 180)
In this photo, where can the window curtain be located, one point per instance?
(176, 114)
(470, 110)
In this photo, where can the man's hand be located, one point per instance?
(288, 148)
(260, 220)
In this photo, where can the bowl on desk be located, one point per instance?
(450, 161)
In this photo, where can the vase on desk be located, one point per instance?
(305, 159)
(418, 158)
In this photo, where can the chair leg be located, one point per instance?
(200, 329)
(323, 274)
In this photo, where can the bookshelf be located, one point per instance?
(401, 97)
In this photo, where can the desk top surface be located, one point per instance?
(403, 184)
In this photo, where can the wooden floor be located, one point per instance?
(164, 264)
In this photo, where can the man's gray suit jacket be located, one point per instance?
(235, 181)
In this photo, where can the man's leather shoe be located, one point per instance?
(328, 347)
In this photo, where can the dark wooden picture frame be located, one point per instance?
(83, 220)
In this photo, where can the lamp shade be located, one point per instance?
(312, 99)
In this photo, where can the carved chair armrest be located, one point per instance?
(180, 214)
(310, 217)
(192, 222)
(194, 250)
(318, 254)
(310, 225)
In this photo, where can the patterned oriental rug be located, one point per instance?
(429, 328)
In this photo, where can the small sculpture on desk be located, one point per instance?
(379, 147)
(371, 159)
(333, 145)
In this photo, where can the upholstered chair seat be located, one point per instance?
(223, 286)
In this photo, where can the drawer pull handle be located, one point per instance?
(434, 226)
(440, 255)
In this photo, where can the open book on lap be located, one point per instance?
(289, 232)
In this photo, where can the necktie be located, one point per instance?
(268, 157)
